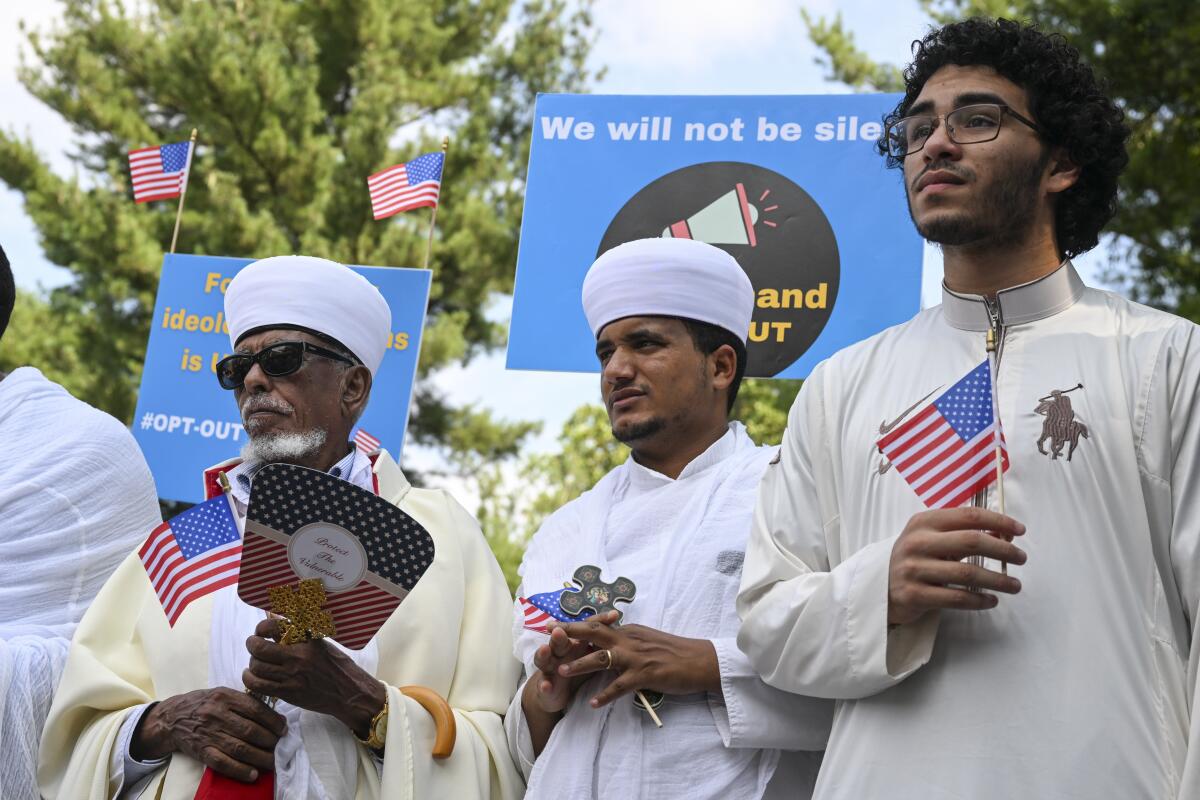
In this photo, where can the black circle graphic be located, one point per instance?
(775, 230)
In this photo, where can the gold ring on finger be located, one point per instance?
(608, 659)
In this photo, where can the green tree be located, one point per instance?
(25, 341)
(1145, 50)
(296, 101)
(515, 500)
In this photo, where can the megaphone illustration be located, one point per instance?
(727, 220)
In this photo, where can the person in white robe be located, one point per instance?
(671, 317)
(144, 707)
(1072, 673)
(75, 496)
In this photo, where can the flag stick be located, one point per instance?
(187, 174)
(992, 354)
(433, 216)
(649, 708)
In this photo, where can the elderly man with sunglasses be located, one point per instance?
(145, 707)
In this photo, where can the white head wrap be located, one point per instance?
(672, 278)
(311, 293)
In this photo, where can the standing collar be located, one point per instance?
(1028, 302)
(646, 478)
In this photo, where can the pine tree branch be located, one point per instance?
(846, 63)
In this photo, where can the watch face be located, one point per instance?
(381, 730)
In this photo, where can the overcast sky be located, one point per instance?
(647, 46)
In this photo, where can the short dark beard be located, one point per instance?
(640, 430)
(1006, 215)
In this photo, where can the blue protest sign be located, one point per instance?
(186, 422)
(791, 186)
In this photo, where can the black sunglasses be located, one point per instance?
(277, 360)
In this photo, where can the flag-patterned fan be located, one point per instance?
(302, 523)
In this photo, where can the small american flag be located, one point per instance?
(159, 173)
(406, 186)
(192, 554)
(946, 451)
(541, 608)
(365, 442)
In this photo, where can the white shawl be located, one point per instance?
(75, 497)
(683, 568)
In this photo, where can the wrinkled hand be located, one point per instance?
(643, 658)
(314, 676)
(223, 728)
(929, 555)
(550, 690)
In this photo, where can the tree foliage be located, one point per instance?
(296, 102)
(515, 500)
(1145, 50)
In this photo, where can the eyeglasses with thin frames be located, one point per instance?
(277, 360)
(966, 125)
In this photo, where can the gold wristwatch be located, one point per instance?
(377, 733)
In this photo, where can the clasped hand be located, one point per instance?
(643, 658)
(312, 675)
(236, 733)
(222, 728)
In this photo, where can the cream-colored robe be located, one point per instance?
(451, 634)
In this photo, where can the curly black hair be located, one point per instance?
(1067, 101)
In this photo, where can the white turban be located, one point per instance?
(672, 278)
(314, 294)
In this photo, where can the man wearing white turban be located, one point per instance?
(671, 317)
(144, 707)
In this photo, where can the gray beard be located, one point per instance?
(288, 448)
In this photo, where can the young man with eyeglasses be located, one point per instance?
(146, 707)
(1062, 662)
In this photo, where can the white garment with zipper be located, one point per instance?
(1081, 685)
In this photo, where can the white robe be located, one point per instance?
(450, 634)
(1079, 686)
(75, 497)
(681, 542)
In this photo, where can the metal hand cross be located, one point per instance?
(594, 594)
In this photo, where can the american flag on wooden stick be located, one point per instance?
(192, 554)
(946, 451)
(366, 442)
(160, 173)
(404, 187)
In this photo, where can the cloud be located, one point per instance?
(25, 115)
(701, 46)
(688, 34)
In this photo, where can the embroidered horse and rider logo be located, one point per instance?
(1060, 426)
